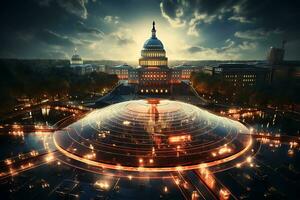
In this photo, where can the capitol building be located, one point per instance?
(153, 72)
(152, 76)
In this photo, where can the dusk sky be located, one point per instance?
(117, 29)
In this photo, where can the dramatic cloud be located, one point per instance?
(196, 20)
(82, 28)
(229, 51)
(173, 12)
(115, 29)
(257, 34)
(54, 55)
(112, 19)
(54, 38)
(192, 13)
(76, 7)
(122, 37)
(213, 21)
(243, 11)
(240, 19)
(195, 49)
(247, 45)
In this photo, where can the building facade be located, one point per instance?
(183, 73)
(276, 55)
(122, 71)
(240, 75)
(282, 70)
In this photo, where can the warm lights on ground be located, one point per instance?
(224, 194)
(195, 195)
(238, 165)
(49, 158)
(224, 150)
(25, 166)
(165, 189)
(8, 161)
(141, 160)
(102, 184)
(34, 153)
(90, 156)
(249, 159)
(126, 123)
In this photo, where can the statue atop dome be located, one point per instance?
(153, 30)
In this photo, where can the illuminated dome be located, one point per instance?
(153, 53)
(153, 43)
(153, 136)
(76, 59)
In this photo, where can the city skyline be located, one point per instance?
(191, 30)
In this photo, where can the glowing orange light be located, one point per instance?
(49, 158)
(224, 194)
(102, 184)
(179, 138)
(165, 189)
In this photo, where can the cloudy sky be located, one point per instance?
(117, 29)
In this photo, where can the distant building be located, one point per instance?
(76, 63)
(122, 71)
(287, 70)
(183, 73)
(100, 68)
(240, 75)
(276, 55)
(281, 70)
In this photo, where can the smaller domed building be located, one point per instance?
(76, 59)
(76, 63)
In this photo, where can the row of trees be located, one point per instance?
(35, 82)
(284, 92)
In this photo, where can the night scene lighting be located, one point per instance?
(160, 99)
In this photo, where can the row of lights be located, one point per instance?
(156, 91)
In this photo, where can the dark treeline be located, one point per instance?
(280, 93)
(21, 79)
